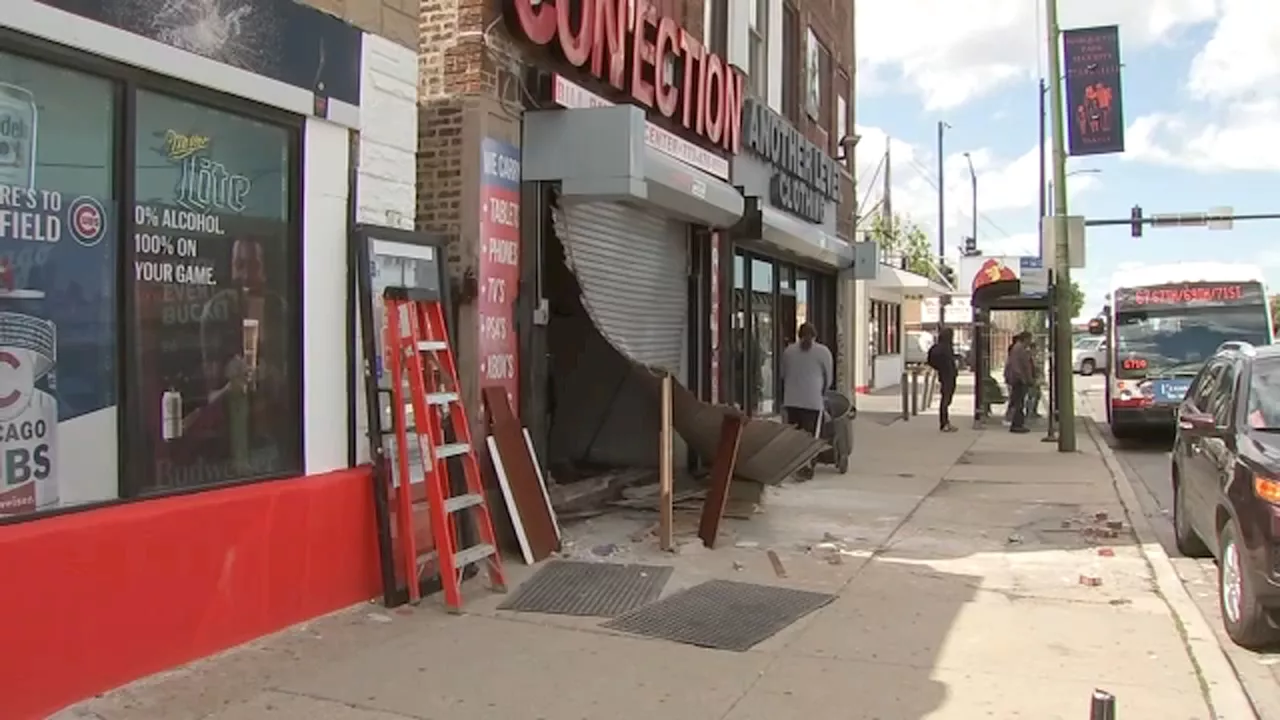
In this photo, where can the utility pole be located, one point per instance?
(942, 194)
(1062, 270)
(973, 181)
(886, 207)
(1051, 432)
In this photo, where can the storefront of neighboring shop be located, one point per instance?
(881, 356)
(786, 254)
(625, 171)
(175, 477)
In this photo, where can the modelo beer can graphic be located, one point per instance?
(18, 126)
(28, 409)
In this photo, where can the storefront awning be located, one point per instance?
(907, 283)
(599, 154)
(804, 239)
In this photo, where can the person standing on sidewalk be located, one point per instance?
(807, 372)
(1019, 372)
(942, 358)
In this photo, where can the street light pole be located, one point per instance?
(1062, 270)
(973, 180)
(942, 208)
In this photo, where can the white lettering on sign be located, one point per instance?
(493, 327)
(503, 252)
(500, 366)
(501, 166)
(504, 212)
(495, 289)
(568, 94)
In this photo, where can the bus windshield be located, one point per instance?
(1177, 341)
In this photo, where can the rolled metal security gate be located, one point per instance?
(633, 266)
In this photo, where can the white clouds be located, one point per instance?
(1236, 75)
(1241, 136)
(952, 53)
(1242, 58)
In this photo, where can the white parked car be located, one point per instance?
(1089, 355)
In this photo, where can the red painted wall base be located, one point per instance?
(93, 600)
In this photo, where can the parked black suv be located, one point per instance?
(1226, 484)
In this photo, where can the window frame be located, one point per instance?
(126, 81)
(758, 49)
(793, 64)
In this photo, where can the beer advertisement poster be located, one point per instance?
(1094, 101)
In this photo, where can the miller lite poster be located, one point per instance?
(57, 322)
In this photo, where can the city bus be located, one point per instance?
(1162, 323)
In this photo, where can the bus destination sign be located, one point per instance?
(1190, 294)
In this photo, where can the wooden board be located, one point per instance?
(721, 475)
(522, 474)
(666, 471)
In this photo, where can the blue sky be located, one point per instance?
(1202, 115)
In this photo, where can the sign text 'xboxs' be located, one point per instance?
(636, 49)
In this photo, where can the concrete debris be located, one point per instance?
(1115, 525)
(1106, 552)
(747, 544)
(738, 566)
(828, 537)
(1090, 580)
(380, 618)
(836, 558)
(604, 550)
(1100, 516)
(776, 561)
(1120, 601)
(1014, 539)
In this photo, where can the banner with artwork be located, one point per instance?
(979, 271)
(1094, 102)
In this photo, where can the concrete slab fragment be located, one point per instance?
(846, 690)
(479, 668)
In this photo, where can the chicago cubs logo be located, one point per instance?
(88, 220)
(15, 374)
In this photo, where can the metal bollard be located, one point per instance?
(906, 403)
(1103, 706)
(915, 392)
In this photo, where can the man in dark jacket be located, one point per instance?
(942, 358)
(1019, 372)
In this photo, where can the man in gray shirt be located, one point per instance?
(807, 372)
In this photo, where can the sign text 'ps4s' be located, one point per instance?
(630, 45)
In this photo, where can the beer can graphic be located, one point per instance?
(18, 126)
(171, 415)
(28, 412)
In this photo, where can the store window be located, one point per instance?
(885, 321)
(763, 339)
(58, 430)
(214, 353)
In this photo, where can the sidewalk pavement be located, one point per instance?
(979, 575)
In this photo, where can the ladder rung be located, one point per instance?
(472, 554)
(432, 345)
(462, 558)
(441, 398)
(462, 502)
(452, 450)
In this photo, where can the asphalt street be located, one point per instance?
(1146, 462)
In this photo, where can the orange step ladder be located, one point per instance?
(420, 361)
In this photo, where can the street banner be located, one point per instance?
(1094, 106)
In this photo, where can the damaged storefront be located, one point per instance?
(785, 251)
(625, 216)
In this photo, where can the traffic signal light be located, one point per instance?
(1135, 228)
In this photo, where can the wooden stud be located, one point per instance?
(666, 470)
(722, 468)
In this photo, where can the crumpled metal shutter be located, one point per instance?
(632, 266)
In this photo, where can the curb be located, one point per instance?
(1222, 687)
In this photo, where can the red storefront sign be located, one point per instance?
(499, 273)
(601, 37)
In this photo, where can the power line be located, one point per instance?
(924, 174)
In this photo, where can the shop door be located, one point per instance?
(633, 268)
